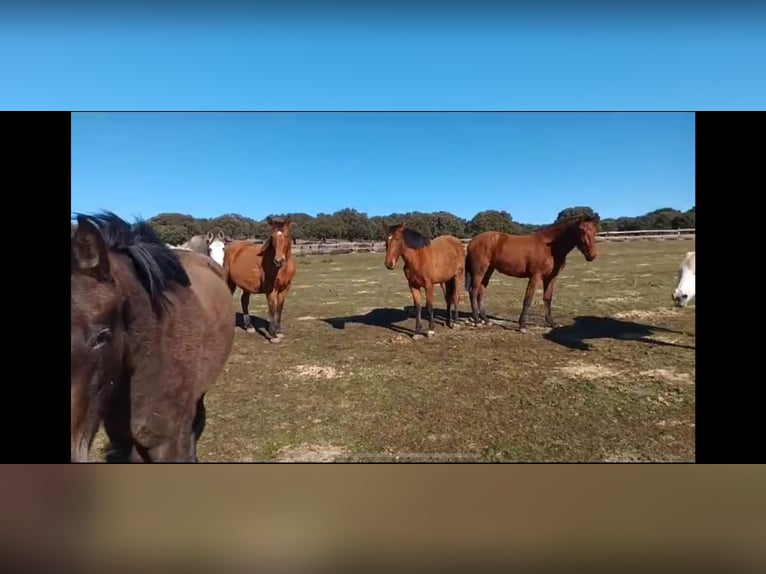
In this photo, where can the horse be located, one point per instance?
(212, 246)
(267, 268)
(684, 291)
(427, 262)
(150, 334)
(539, 256)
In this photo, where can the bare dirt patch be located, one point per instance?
(307, 318)
(668, 375)
(624, 299)
(307, 452)
(645, 313)
(315, 372)
(587, 371)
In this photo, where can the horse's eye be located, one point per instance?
(101, 338)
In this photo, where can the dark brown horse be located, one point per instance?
(426, 263)
(539, 256)
(267, 268)
(150, 334)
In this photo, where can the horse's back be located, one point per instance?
(689, 262)
(449, 244)
(208, 315)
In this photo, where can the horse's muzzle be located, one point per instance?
(589, 258)
(279, 262)
(680, 300)
(389, 265)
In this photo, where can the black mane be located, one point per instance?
(155, 263)
(567, 222)
(412, 238)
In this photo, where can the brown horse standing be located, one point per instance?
(539, 256)
(150, 333)
(427, 262)
(267, 268)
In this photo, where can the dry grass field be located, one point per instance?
(615, 383)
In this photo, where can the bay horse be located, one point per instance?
(150, 334)
(684, 292)
(210, 245)
(539, 256)
(427, 262)
(268, 268)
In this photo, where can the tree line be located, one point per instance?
(352, 225)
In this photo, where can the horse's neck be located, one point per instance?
(561, 244)
(410, 256)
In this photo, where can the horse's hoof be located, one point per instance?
(250, 330)
(418, 336)
(275, 340)
(280, 335)
(523, 330)
(431, 333)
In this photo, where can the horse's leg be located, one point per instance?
(548, 284)
(449, 288)
(281, 297)
(416, 301)
(246, 311)
(529, 294)
(459, 281)
(480, 295)
(198, 424)
(473, 292)
(272, 300)
(430, 305)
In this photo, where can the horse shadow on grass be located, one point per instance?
(587, 327)
(390, 319)
(261, 325)
(384, 317)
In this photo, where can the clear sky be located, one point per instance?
(383, 56)
(528, 163)
(400, 56)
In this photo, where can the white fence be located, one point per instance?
(647, 234)
(335, 247)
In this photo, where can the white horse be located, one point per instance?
(208, 245)
(684, 291)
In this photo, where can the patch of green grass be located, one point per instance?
(346, 381)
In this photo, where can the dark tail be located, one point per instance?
(468, 273)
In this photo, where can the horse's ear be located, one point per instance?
(209, 236)
(89, 251)
(287, 221)
(221, 236)
(270, 221)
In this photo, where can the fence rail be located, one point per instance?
(339, 247)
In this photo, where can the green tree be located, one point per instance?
(172, 233)
(492, 220)
(575, 212)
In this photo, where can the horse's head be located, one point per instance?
(280, 239)
(99, 315)
(685, 290)
(585, 236)
(216, 247)
(393, 236)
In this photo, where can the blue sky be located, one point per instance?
(530, 164)
(399, 58)
(388, 57)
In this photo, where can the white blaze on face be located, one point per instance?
(685, 290)
(216, 251)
